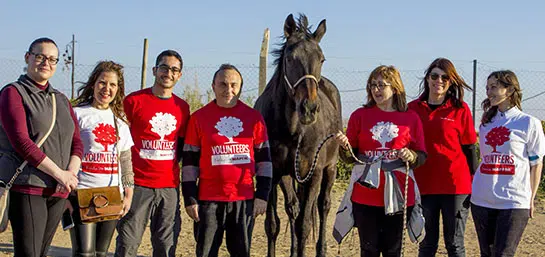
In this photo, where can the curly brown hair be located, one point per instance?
(507, 79)
(86, 92)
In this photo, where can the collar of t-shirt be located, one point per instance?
(446, 103)
(225, 108)
(507, 114)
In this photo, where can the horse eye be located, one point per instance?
(323, 60)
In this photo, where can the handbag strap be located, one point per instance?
(39, 143)
(117, 150)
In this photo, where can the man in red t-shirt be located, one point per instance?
(158, 120)
(226, 147)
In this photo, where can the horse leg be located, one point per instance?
(272, 222)
(324, 204)
(305, 222)
(291, 207)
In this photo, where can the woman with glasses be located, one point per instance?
(445, 179)
(38, 197)
(512, 146)
(383, 128)
(106, 162)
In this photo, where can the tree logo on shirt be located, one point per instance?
(497, 137)
(229, 127)
(163, 124)
(384, 132)
(105, 135)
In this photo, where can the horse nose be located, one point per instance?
(309, 107)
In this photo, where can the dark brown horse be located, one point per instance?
(301, 108)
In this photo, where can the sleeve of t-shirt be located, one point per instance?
(191, 156)
(184, 121)
(262, 158)
(126, 139)
(353, 129)
(417, 135)
(128, 107)
(468, 135)
(536, 142)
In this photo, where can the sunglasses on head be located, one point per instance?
(435, 76)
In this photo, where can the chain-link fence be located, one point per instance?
(350, 82)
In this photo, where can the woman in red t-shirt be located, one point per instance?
(445, 179)
(383, 127)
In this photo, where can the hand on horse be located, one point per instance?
(260, 206)
(406, 155)
(193, 212)
(342, 140)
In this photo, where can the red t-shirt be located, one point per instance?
(226, 138)
(374, 132)
(156, 124)
(447, 128)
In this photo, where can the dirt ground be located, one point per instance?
(532, 244)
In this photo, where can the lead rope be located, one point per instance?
(313, 166)
(404, 224)
(315, 160)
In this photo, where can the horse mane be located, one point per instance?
(302, 32)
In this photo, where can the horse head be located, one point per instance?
(301, 60)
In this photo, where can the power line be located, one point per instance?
(532, 97)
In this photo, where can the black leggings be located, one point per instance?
(90, 240)
(34, 220)
(379, 233)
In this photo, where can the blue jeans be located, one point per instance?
(454, 210)
(499, 231)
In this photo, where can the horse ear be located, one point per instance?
(320, 31)
(289, 26)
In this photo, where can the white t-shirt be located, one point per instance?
(511, 143)
(99, 165)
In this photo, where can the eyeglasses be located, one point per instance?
(380, 86)
(435, 76)
(165, 68)
(40, 58)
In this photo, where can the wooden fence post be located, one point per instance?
(263, 61)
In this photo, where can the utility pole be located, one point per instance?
(73, 63)
(69, 61)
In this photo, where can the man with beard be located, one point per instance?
(158, 120)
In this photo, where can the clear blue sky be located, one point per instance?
(360, 34)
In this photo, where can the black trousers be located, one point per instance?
(235, 218)
(499, 231)
(90, 240)
(454, 210)
(34, 220)
(378, 232)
